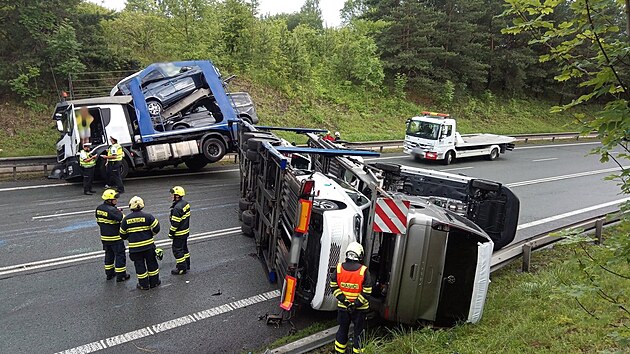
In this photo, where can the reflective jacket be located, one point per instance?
(351, 283)
(115, 150)
(108, 218)
(180, 219)
(139, 228)
(84, 155)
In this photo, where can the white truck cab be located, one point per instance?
(434, 136)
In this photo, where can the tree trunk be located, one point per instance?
(628, 19)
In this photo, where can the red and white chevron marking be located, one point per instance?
(391, 215)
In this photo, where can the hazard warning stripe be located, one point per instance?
(391, 216)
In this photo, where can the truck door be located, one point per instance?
(446, 137)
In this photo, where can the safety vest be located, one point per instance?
(351, 283)
(84, 155)
(115, 150)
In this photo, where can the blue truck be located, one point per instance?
(149, 140)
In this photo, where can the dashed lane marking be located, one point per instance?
(558, 178)
(97, 254)
(457, 169)
(168, 325)
(548, 159)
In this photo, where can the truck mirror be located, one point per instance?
(59, 125)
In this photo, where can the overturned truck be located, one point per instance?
(428, 236)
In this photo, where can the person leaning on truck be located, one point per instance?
(179, 230)
(108, 218)
(87, 162)
(138, 228)
(114, 157)
(351, 284)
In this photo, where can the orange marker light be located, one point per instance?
(303, 215)
(288, 292)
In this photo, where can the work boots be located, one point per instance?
(122, 277)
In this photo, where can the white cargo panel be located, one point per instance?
(185, 148)
(161, 152)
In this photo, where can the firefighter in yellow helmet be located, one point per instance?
(138, 228)
(351, 285)
(108, 218)
(180, 230)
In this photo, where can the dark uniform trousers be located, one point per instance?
(180, 251)
(344, 318)
(115, 259)
(114, 177)
(88, 177)
(147, 268)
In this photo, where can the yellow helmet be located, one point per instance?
(136, 203)
(354, 251)
(109, 194)
(177, 190)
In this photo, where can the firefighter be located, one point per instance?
(108, 218)
(138, 228)
(87, 162)
(114, 157)
(351, 286)
(328, 137)
(337, 136)
(179, 231)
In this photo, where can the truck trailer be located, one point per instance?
(147, 142)
(304, 205)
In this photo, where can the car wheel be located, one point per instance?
(196, 163)
(448, 158)
(213, 149)
(154, 107)
(493, 154)
(325, 204)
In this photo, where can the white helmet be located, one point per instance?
(354, 251)
(136, 203)
(337, 134)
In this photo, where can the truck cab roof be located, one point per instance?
(97, 101)
(433, 119)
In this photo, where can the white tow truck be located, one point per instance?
(304, 205)
(434, 136)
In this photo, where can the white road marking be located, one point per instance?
(558, 178)
(61, 214)
(457, 169)
(174, 323)
(548, 159)
(9, 189)
(555, 145)
(97, 254)
(571, 213)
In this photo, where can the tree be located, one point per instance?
(591, 51)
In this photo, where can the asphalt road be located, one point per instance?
(67, 304)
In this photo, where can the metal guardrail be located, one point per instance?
(499, 260)
(17, 165)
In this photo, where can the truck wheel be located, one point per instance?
(213, 149)
(247, 231)
(448, 158)
(248, 218)
(325, 204)
(124, 168)
(196, 163)
(154, 107)
(244, 204)
(493, 154)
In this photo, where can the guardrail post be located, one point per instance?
(526, 139)
(15, 173)
(45, 170)
(380, 149)
(599, 225)
(527, 257)
(553, 138)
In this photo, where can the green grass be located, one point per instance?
(528, 312)
(359, 115)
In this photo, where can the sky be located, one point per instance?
(330, 8)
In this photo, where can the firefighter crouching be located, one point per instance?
(351, 286)
(108, 218)
(179, 230)
(138, 228)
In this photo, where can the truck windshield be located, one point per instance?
(425, 130)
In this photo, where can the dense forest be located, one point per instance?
(433, 48)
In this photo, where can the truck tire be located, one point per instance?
(247, 231)
(244, 204)
(493, 154)
(124, 168)
(248, 218)
(448, 158)
(101, 169)
(213, 149)
(196, 163)
(253, 156)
